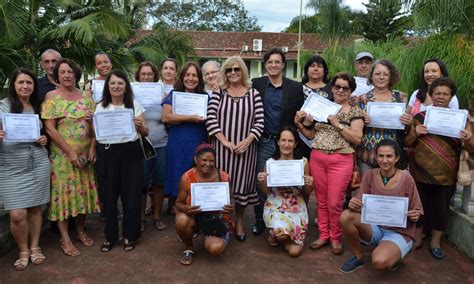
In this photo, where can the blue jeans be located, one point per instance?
(265, 150)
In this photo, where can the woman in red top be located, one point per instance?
(190, 219)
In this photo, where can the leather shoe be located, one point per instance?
(241, 238)
(258, 228)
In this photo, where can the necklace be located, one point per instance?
(385, 180)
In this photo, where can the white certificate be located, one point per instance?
(385, 115)
(97, 89)
(114, 124)
(384, 210)
(285, 173)
(190, 104)
(211, 196)
(168, 88)
(148, 94)
(20, 127)
(445, 121)
(319, 107)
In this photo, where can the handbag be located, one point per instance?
(148, 150)
(466, 169)
(356, 176)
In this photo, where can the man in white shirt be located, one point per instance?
(363, 64)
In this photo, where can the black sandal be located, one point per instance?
(106, 246)
(128, 245)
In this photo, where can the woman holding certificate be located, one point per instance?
(332, 158)
(383, 76)
(285, 211)
(235, 122)
(154, 168)
(435, 164)
(185, 132)
(363, 220)
(67, 116)
(194, 216)
(25, 170)
(420, 100)
(122, 159)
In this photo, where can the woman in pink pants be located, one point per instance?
(332, 158)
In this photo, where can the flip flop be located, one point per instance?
(37, 257)
(187, 258)
(159, 225)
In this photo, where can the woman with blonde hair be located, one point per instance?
(235, 123)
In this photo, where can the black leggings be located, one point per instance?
(435, 200)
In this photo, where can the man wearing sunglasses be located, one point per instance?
(281, 98)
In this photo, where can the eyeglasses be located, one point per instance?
(210, 73)
(147, 74)
(232, 69)
(344, 89)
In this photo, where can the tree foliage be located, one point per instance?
(225, 15)
(384, 20)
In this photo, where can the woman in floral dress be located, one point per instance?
(67, 116)
(285, 211)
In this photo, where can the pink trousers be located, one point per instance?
(332, 174)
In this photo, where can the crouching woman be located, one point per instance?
(214, 225)
(392, 243)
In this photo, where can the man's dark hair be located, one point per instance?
(274, 50)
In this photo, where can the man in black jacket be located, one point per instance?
(281, 99)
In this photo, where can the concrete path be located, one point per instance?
(156, 259)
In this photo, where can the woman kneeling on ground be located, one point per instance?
(216, 226)
(285, 211)
(392, 243)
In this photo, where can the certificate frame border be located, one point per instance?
(94, 93)
(173, 101)
(38, 132)
(313, 95)
(271, 184)
(148, 83)
(428, 114)
(197, 184)
(369, 104)
(365, 196)
(96, 128)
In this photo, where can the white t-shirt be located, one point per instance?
(453, 104)
(138, 109)
(361, 86)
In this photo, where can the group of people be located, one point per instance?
(248, 123)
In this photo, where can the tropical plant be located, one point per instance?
(384, 20)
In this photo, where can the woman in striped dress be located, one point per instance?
(24, 171)
(235, 122)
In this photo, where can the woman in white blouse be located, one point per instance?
(123, 161)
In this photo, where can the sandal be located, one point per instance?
(187, 258)
(159, 225)
(84, 239)
(22, 262)
(142, 225)
(106, 246)
(128, 245)
(37, 256)
(69, 249)
(272, 241)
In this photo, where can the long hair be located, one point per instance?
(16, 105)
(179, 86)
(423, 87)
(315, 59)
(296, 152)
(127, 96)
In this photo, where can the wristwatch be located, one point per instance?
(341, 126)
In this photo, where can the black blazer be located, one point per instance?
(293, 98)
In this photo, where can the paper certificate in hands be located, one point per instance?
(20, 127)
(319, 107)
(148, 94)
(285, 173)
(114, 124)
(97, 89)
(445, 121)
(211, 196)
(385, 115)
(384, 210)
(190, 104)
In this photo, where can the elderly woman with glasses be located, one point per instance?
(235, 123)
